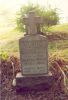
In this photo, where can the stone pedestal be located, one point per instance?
(38, 82)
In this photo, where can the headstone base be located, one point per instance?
(38, 82)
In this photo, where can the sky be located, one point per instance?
(12, 6)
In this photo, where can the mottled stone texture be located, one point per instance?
(34, 54)
(37, 82)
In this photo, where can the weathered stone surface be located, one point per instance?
(37, 82)
(33, 57)
(34, 54)
(32, 22)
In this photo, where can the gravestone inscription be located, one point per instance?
(33, 48)
(34, 54)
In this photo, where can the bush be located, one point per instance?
(50, 15)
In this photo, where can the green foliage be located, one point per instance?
(3, 55)
(60, 48)
(59, 28)
(50, 15)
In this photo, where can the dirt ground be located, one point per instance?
(8, 92)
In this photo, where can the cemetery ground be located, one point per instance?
(58, 56)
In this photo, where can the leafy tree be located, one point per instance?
(50, 15)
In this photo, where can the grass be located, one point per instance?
(59, 47)
(60, 44)
(59, 28)
(61, 53)
(9, 41)
(10, 35)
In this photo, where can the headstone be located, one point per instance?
(33, 56)
(32, 22)
(33, 48)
